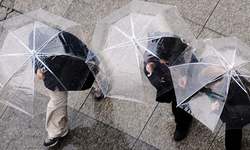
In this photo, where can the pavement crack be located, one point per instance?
(208, 18)
(146, 124)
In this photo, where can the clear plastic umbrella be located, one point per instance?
(214, 75)
(32, 41)
(122, 42)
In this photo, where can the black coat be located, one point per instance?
(236, 111)
(161, 77)
(71, 72)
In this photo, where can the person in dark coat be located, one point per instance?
(158, 73)
(236, 111)
(60, 74)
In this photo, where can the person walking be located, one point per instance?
(158, 73)
(61, 74)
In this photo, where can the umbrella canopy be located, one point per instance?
(35, 41)
(216, 73)
(123, 39)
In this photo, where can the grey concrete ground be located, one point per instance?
(113, 124)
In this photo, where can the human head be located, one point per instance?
(215, 72)
(169, 48)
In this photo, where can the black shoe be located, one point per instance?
(182, 128)
(180, 134)
(98, 93)
(49, 142)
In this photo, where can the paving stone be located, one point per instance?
(140, 145)
(13, 14)
(88, 133)
(160, 129)
(58, 7)
(8, 3)
(219, 141)
(231, 18)
(111, 123)
(2, 108)
(21, 131)
(3, 12)
(128, 117)
(208, 33)
(195, 10)
(88, 13)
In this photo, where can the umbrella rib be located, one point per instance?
(50, 71)
(149, 51)
(17, 54)
(17, 38)
(62, 54)
(132, 25)
(242, 65)
(198, 90)
(199, 63)
(47, 42)
(138, 61)
(244, 76)
(15, 72)
(122, 32)
(118, 45)
(234, 57)
(113, 47)
(34, 35)
(146, 26)
(118, 63)
(220, 56)
(121, 44)
(129, 99)
(243, 88)
(16, 107)
(193, 94)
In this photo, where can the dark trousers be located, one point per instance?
(182, 118)
(233, 138)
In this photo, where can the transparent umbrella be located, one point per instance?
(122, 42)
(35, 41)
(215, 82)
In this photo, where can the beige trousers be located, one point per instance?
(57, 114)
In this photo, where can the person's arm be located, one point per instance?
(40, 74)
(182, 81)
(150, 68)
(39, 69)
(216, 99)
(215, 105)
(150, 64)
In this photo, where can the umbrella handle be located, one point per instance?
(44, 69)
(148, 75)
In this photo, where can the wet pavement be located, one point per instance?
(114, 124)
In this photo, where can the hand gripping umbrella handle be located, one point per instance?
(148, 75)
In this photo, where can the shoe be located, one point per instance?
(49, 142)
(98, 93)
(180, 134)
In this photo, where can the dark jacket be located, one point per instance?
(161, 77)
(64, 71)
(236, 111)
